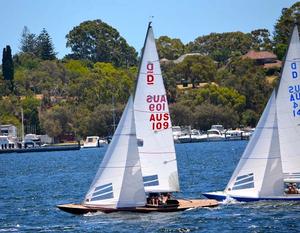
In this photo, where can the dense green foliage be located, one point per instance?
(169, 48)
(75, 95)
(283, 28)
(98, 42)
(222, 46)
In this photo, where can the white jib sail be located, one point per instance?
(118, 182)
(153, 124)
(288, 108)
(259, 172)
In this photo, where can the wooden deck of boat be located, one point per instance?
(183, 205)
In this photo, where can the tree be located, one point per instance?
(284, 27)
(249, 80)
(57, 121)
(28, 41)
(221, 46)
(98, 42)
(30, 107)
(169, 48)
(207, 114)
(8, 67)
(261, 40)
(218, 96)
(45, 47)
(181, 114)
(195, 69)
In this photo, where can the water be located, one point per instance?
(32, 184)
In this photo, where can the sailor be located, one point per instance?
(153, 198)
(165, 197)
(292, 188)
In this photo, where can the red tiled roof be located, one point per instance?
(260, 55)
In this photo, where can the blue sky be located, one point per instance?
(183, 19)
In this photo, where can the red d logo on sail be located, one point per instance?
(150, 75)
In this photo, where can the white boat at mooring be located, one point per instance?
(93, 142)
(269, 168)
(140, 160)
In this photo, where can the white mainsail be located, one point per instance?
(153, 124)
(259, 172)
(288, 108)
(118, 182)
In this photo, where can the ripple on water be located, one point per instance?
(31, 185)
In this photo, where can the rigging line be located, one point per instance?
(125, 134)
(159, 152)
(153, 60)
(119, 166)
(151, 73)
(172, 160)
(293, 60)
(137, 110)
(262, 158)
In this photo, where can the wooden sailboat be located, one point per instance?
(269, 168)
(141, 157)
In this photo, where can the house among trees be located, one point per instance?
(264, 58)
(8, 130)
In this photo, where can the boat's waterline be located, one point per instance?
(221, 196)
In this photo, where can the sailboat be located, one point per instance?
(269, 168)
(141, 159)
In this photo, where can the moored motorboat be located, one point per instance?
(93, 142)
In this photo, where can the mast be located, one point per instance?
(22, 130)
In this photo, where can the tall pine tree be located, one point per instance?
(45, 48)
(28, 42)
(8, 67)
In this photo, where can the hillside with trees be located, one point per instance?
(76, 95)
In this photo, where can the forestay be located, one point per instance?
(259, 172)
(118, 182)
(288, 107)
(153, 124)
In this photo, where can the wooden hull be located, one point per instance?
(183, 205)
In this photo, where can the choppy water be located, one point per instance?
(32, 184)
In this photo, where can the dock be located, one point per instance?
(42, 149)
